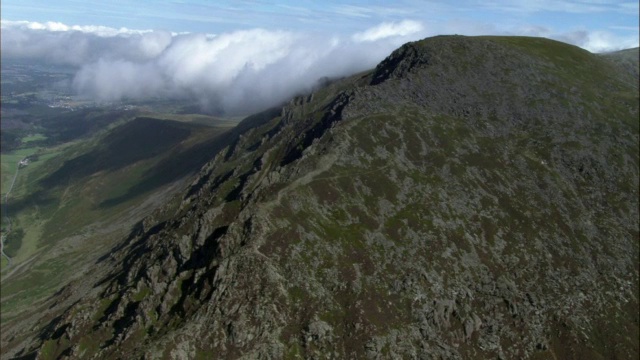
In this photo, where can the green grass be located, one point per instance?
(31, 239)
(104, 305)
(26, 182)
(204, 355)
(294, 352)
(13, 242)
(80, 193)
(34, 137)
(197, 119)
(139, 296)
(48, 350)
(76, 204)
(123, 181)
(9, 165)
(29, 221)
(40, 282)
(46, 275)
(575, 65)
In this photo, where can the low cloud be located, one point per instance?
(593, 41)
(237, 72)
(387, 30)
(598, 41)
(79, 45)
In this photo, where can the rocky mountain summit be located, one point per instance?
(467, 198)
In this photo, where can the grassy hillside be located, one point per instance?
(70, 205)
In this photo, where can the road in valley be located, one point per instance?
(6, 215)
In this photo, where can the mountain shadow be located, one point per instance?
(140, 139)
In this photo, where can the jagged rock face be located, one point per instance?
(468, 198)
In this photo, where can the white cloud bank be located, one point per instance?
(240, 72)
(599, 41)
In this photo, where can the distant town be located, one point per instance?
(28, 85)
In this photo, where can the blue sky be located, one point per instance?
(620, 18)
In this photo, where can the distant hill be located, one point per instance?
(469, 198)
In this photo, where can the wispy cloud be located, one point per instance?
(389, 29)
(353, 11)
(563, 6)
(634, 29)
(54, 26)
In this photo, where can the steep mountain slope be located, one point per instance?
(468, 198)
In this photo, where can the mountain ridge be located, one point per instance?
(456, 201)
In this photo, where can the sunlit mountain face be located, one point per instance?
(453, 199)
(330, 180)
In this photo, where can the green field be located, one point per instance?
(9, 163)
(34, 137)
(81, 188)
